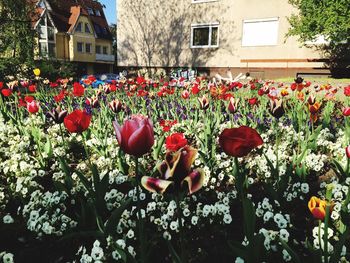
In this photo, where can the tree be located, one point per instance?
(329, 19)
(16, 33)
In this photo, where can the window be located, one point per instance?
(97, 12)
(98, 49)
(51, 33)
(87, 28)
(52, 48)
(105, 31)
(90, 11)
(206, 35)
(260, 32)
(88, 48)
(78, 28)
(42, 32)
(105, 50)
(43, 49)
(80, 46)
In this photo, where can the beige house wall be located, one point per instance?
(158, 34)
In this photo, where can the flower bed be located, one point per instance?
(147, 170)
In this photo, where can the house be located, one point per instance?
(214, 36)
(75, 31)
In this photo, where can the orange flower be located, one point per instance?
(314, 108)
(301, 96)
(317, 207)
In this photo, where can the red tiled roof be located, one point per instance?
(65, 13)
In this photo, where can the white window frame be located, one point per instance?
(97, 12)
(271, 19)
(210, 25)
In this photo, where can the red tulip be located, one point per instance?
(233, 105)
(32, 88)
(238, 142)
(253, 101)
(347, 150)
(136, 136)
(78, 90)
(1, 85)
(195, 90)
(185, 94)
(77, 121)
(33, 106)
(347, 91)
(175, 141)
(6, 92)
(346, 111)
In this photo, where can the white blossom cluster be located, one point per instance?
(296, 191)
(45, 213)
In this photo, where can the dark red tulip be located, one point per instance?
(58, 115)
(238, 142)
(77, 121)
(136, 136)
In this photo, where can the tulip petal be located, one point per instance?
(141, 140)
(194, 181)
(155, 185)
(188, 155)
(171, 160)
(117, 130)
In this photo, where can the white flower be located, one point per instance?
(239, 260)
(227, 219)
(8, 258)
(286, 256)
(97, 253)
(8, 219)
(284, 235)
(305, 188)
(167, 235)
(174, 225)
(130, 233)
(194, 220)
(267, 216)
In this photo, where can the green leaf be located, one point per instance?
(48, 148)
(176, 258)
(295, 257)
(85, 182)
(335, 258)
(113, 220)
(249, 218)
(64, 166)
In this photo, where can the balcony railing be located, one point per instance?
(104, 57)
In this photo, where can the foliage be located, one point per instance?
(329, 18)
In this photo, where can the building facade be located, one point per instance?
(76, 31)
(213, 35)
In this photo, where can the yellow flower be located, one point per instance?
(36, 72)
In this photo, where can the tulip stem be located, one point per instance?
(63, 139)
(139, 217)
(179, 219)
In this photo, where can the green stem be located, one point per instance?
(181, 232)
(139, 217)
(63, 139)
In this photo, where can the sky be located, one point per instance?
(110, 10)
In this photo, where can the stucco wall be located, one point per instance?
(157, 33)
